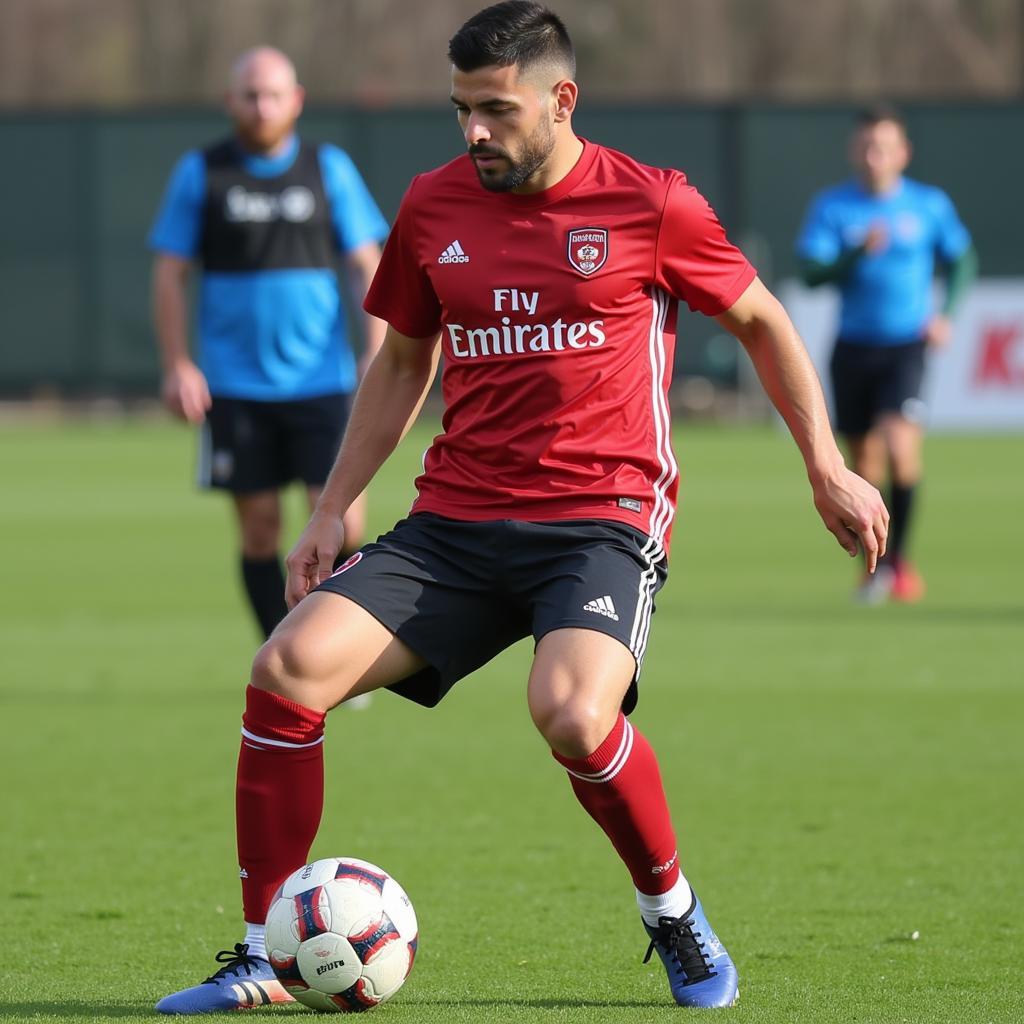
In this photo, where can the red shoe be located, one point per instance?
(907, 585)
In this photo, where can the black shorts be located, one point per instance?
(458, 593)
(870, 380)
(248, 446)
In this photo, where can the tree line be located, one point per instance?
(128, 53)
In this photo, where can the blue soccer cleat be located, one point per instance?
(700, 972)
(243, 982)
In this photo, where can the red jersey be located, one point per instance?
(557, 314)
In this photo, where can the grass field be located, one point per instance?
(841, 777)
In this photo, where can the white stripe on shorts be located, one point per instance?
(663, 511)
(204, 464)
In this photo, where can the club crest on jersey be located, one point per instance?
(588, 249)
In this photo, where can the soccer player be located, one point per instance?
(878, 237)
(548, 270)
(266, 215)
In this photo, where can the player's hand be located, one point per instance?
(311, 561)
(938, 331)
(186, 393)
(854, 512)
(877, 237)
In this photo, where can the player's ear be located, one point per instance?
(300, 99)
(565, 94)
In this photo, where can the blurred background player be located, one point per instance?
(265, 214)
(878, 237)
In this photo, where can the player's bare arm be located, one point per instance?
(183, 389)
(850, 507)
(386, 405)
(360, 266)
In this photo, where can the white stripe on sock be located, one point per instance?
(616, 764)
(278, 743)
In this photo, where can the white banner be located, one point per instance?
(975, 383)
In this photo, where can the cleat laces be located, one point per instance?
(676, 934)
(234, 961)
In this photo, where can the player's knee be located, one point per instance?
(573, 729)
(871, 466)
(261, 541)
(279, 666)
(292, 664)
(905, 464)
(907, 473)
(260, 532)
(260, 550)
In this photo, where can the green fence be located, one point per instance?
(81, 190)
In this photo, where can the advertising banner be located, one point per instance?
(975, 383)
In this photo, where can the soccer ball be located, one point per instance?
(341, 935)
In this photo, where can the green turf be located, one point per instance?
(841, 777)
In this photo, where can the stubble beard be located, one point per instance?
(536, 151)
(265, 138)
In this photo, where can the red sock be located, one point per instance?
(620, 787)
(279, 794)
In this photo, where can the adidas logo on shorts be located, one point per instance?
(603, 606)
(453, 254)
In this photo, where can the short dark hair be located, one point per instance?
(518, 32)
(868, 117)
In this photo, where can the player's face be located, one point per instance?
(879, 154)
(264, 102)
(508, 121)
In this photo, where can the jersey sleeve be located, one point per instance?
(356, 217)
(952, 239)
(819, 239)
(179, 221)
(401, 292)
(693, 259)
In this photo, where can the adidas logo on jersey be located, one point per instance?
(603, 606)
(453, 254)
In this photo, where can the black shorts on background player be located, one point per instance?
(458, 593)
(249, 446)
(870, 380)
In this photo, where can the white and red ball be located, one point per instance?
(341, 935)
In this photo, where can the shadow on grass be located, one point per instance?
(96, 1011)
(87, 1011)
(542, 1004)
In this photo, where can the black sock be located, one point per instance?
(901, 500)
(264, 583)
